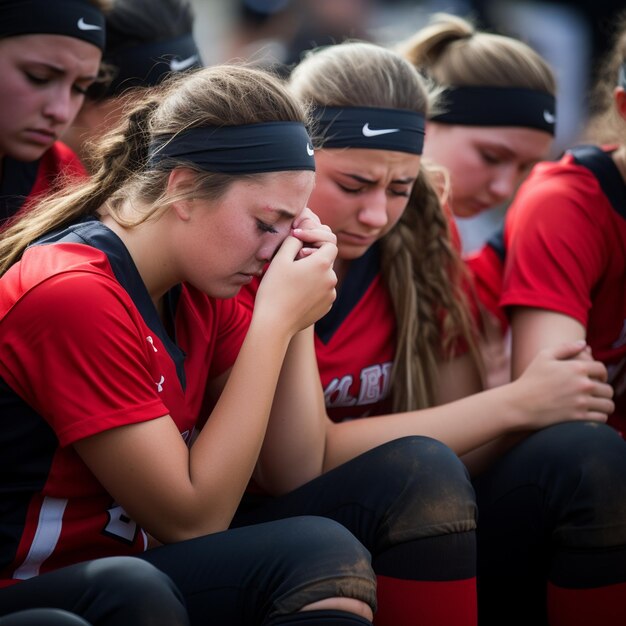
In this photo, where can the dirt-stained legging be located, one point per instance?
(256, 575)
(410, 504)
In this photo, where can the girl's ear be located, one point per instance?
(619, 96)
(180, 182)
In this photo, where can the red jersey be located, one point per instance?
(566, 252)
(23, 183)
(355, 342)
(83, 350)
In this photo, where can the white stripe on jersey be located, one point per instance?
(46, 537)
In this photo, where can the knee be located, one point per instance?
(135, 590)
(430, 488)
(586, 469)
(49, 617)
(130, 576)
(321, 560)
(584, 457)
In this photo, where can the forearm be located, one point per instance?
(225, 453)
(293, 450)
(558, 385)
(463, 425)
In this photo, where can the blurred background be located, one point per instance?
(571, 35)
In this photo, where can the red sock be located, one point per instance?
(581, 607)
(426, 603)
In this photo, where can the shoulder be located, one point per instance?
(58, 165)
(59, 159)
(73, 281)
(561, 200)
(564, 180)
(60, 156)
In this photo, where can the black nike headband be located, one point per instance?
(145, 65)
(72, 18)
(370, 127)
(246, 149)
(498, 106)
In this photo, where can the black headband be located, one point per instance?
(145, 65)
(370, 127)
(247, 149)
(621, 76)
(498, 106)
(72, 18)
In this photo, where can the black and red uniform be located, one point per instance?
(83, 350)
(565, 242)
(547, 505)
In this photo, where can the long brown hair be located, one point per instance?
(420, 265)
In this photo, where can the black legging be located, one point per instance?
(409, 489)
(105, 592)
(262, 571)
(552, 509)
(255, 574)
(242, 576)
(42, 617)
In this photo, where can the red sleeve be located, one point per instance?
(555, 241)
(73, 349)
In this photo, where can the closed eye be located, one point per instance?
(80, 89)
(404, 194)
(350, 189)
(265, 227)
(41, 81)
(36, 80)
(490, 158)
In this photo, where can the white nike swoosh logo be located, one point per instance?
(309, 150)
(82, 25)
(369, 132)
(179, 66)
(549, 117)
